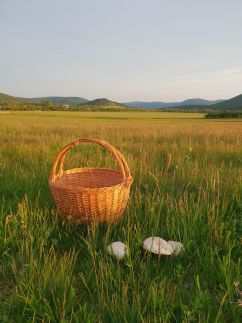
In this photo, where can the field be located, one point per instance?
(187, 187)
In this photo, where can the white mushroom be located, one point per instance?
(176, 246)
(157, 246)
(118, 250)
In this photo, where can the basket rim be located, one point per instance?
(58, 163)
(123, 182)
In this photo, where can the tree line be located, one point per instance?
(224, 115)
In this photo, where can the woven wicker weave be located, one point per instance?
(90, 194)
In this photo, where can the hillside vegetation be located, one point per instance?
(8, 99)
(231, 104)
(104, 104)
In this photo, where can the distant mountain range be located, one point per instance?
(164, 105)
(5, 98)
(78, 103)
(233, 104)
(60, 100)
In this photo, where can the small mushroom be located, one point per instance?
(176, 246)
(157, 246)
(118, 249)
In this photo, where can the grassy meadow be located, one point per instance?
(187, 187)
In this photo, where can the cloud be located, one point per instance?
(198, 77)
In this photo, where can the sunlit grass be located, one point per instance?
(187, 187)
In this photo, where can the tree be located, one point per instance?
(48, 104)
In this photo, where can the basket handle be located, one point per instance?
(62, 154)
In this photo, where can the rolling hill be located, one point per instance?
(233, 104)
(104, 104)
(5, 99)
(78, 103)
(8, 99)
(61, 100)
(164, 105)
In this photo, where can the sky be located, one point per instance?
(124, 50)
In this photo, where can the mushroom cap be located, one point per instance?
(176, 246)
(157, 246)
(118, 249)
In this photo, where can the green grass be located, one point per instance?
(51, 271)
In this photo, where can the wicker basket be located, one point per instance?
(90, 194)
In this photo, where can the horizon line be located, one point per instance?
(122, 101)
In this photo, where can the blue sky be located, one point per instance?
(123, 50)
